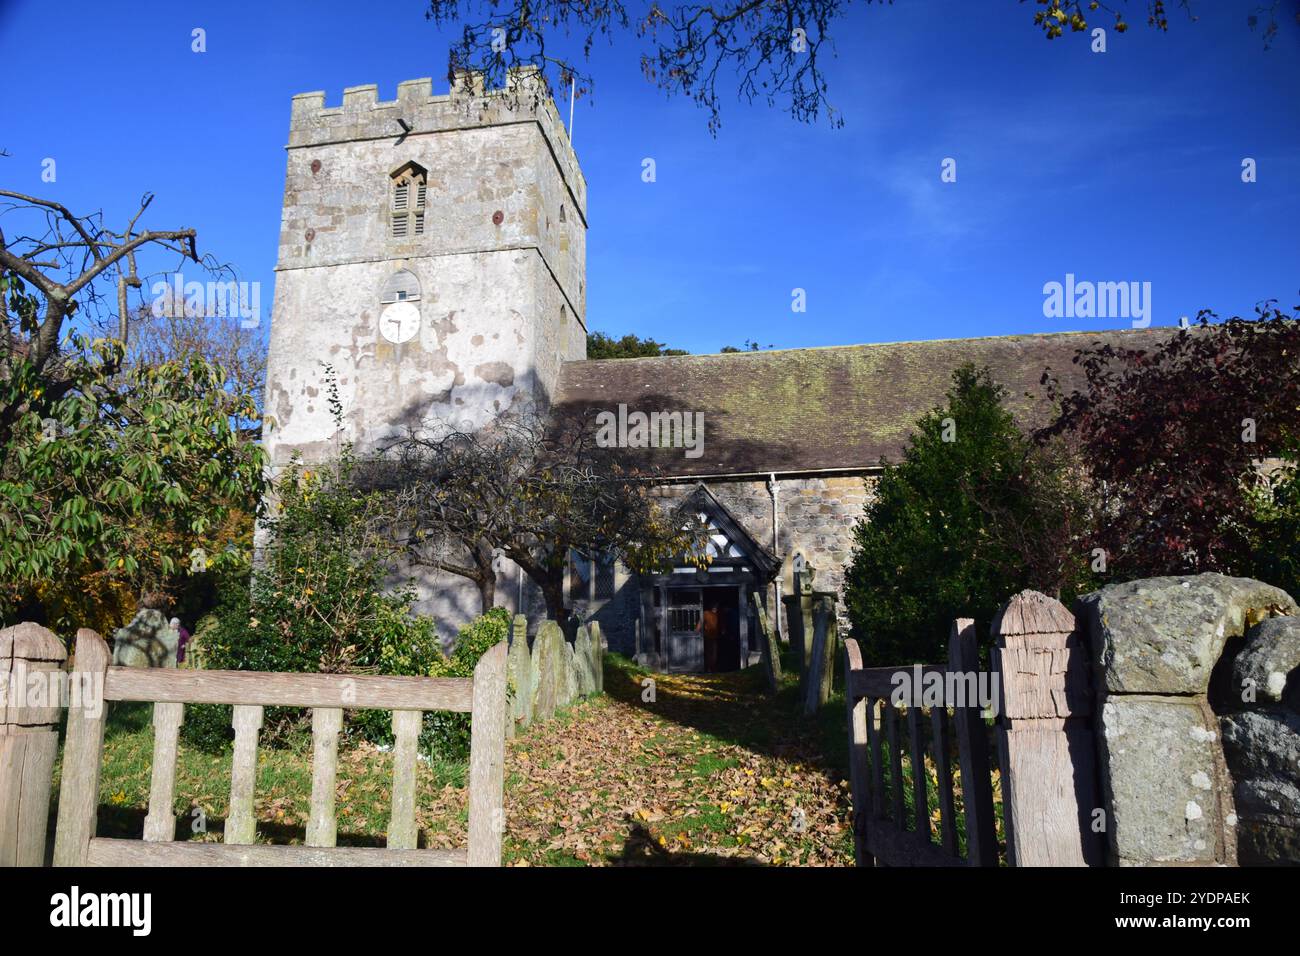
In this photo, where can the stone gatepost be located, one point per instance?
(31, 662)
(1154, 643)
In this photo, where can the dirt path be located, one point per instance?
(708, 772)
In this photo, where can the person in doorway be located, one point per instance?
(182, 639)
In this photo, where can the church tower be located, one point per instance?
(432, 253)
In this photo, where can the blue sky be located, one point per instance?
(1123, 166)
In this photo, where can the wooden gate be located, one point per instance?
(327, 695)
(1038, 688)
(883, 831)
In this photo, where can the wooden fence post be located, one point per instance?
(858, 742)
(972, 746)
(487, 752)
(31, 663)
(82, 752)
(1045, 743)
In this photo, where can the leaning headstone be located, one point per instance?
(569, 689)
(820, 672)
(583, 663)
(519, 674)
(148, 641)
(597, 656)
(770, 646)
(548, 670)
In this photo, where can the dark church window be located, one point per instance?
(604, 579)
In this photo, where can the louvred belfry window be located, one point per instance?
(409, 194)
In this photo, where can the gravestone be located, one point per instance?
(548, 671)
(583, 663)
(148, 641)
(771, 647)
(519, 673)
(569, 688)
(597, 656)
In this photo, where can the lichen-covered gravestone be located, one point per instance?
(519, 674)
(597, 656)
(583, 664)
(569, 688)
(148, 641)
(549, 670)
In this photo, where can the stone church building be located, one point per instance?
(433, 255)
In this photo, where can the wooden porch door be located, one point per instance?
(685, 645)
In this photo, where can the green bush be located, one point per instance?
(974, 512)
(1275, 555)
(445, 734)
(318, 602)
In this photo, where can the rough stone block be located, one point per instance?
(1270, 661)
(1165, 782)
(1164, 635)
(1263, 753)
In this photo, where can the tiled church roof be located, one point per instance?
(821, 409)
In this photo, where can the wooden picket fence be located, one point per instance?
(881, 828)
(1047, 772)
(327, 695)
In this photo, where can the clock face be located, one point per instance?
(399, 322)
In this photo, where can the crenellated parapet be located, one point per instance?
(362, 115)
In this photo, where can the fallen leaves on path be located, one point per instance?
(706, 774)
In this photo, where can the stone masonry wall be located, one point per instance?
(1156, 643)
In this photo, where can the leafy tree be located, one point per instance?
(530, 488)
(319, 600)
(775, 51)
(113, 473)
(1173, 434)
(602, 346)
(973, 512)
(1275, 556)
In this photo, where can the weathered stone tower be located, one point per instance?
(433, 252)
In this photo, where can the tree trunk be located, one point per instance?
(481, 553)
(487, 592)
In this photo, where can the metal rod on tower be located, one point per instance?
(572, 84)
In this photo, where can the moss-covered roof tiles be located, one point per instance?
(820, 409)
